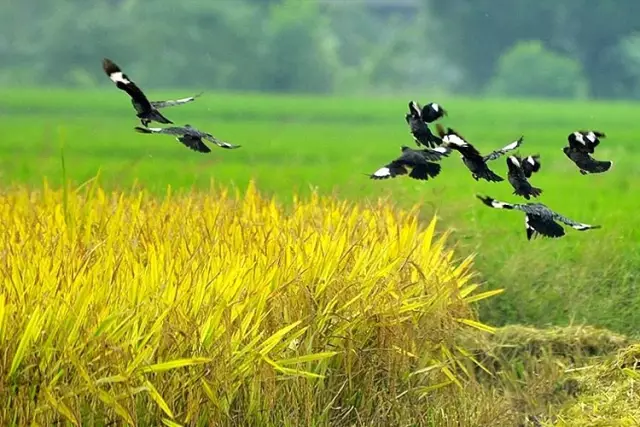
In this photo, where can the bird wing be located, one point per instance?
(470, 152)
(542, 225)
(510, 147)
(516, 167)
(390, 170)
(421, 133)
(425, 171)
(195, 143)
(530, 164)
(432, 112)
(174, 130)
(578, 142)
(172, 103)
(456, 141)
(124, 83)
(415, 109)
(219, 143)
(573, 224)
(493, 203)
(435, 154)
(587, 163)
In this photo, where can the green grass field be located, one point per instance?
(295, 144)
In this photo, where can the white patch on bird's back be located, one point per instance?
(531, 160)
(455, 140)
(382, 172)
(118, 77)
(155, 129)
(591, 136)
(441, 150)
(579, 138)
(436, 107)
(514, 160)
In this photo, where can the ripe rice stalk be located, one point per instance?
(223, 308)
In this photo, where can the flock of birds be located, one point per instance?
(420, 164)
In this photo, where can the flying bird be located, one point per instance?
(420, 131)
(421, 163)
(189, 136)
(429, 113)
(539, 219)
(581, 144)
(519, 171)
(588, 140)
(147, 111)
(474, 161)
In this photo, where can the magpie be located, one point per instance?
(429, 113)
(578, 151)
(421, 163)
(189, 136)
(588, 140)
(519, 171)
(147, 111)
(420, 131)
(539, 219)
(474, 161)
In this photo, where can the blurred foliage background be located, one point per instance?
(547, 48)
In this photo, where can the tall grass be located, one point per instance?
(220, 309)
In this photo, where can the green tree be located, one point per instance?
(528, 69)
(475, 33)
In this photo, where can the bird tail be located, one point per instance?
(598, 166)
(528, 192)
(603, 166)
(535, 192)
(158, 117)
(424, 172)
(490, 176)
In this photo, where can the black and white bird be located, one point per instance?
(147, 111)
(190, 137)
(419, 129)
(521, 169)
(429, 113)
(539, 219)
(589, 140)
(474, 161)
(581, 144)
(421, 162)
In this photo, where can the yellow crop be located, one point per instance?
(213, 309)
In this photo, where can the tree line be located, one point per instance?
(566, 48)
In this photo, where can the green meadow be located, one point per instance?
(299, 144)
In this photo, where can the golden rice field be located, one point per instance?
(216, 308)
